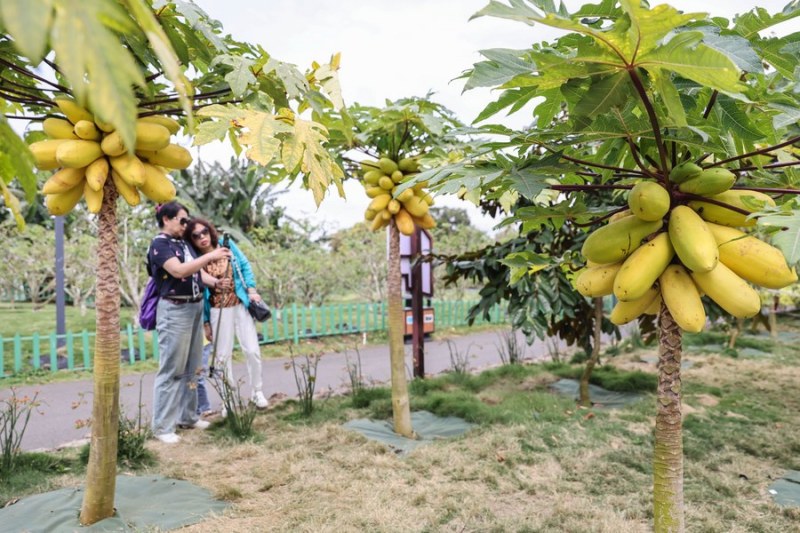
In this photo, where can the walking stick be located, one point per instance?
(225, 238)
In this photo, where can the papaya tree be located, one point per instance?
(695, 118)
(392, 144)
(112, 101)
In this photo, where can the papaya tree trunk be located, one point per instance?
(401, 409)
(668, 509)
(583, 389)
(773, 316)
(101, 472)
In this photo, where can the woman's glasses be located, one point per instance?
(200, 234)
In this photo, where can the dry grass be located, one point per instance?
(550, 468)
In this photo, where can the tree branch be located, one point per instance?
(711, 102)
(762, 151)
(635, 154)
(651, 113)
(600, 219)
(30, 74)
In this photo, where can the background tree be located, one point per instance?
(240, 197)
(642, 91)
(80, 273)
(34, 263)
(361, 255)
(138, 63)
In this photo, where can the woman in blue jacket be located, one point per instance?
(225, 311)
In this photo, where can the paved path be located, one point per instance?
(63, 404)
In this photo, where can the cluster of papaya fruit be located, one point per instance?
(408, 208)
(700, 252)
(87, 152)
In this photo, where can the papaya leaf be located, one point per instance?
(787, 115)
(329, 79)
(29, 22)
(199, 20)
(669, 95)
(604, 93)
(687, 56)
(108, 65)
(22, 162)
(649, 26)
(293, 80)
(781, 53)
(734, 46)
(260, 135)
(317, 165)
(509, 97)
(12, 203)
(749, 24)
(241, 74)
(503, 65)
(788, 238)
(733, 118)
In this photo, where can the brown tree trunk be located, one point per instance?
(101, 472)
(401, 408)
(773, 316)
(583, 388)
(668, 509)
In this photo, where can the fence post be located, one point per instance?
(2, 358)
(294, 320)
(70, 353)
(86, 354)
(53, 353)
(131, 352)
(142, 346)
(17, 353)
(154, 340)
(36, 349)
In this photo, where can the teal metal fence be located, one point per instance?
(74, 351)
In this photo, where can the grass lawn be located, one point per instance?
(533, 462)
(22, 318)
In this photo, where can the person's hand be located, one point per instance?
(223, 284)
(219, 253)
(207, 331)
(254, 296)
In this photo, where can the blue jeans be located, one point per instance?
(180, 347)
(203, 404)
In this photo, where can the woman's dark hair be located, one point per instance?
(193, 223)
(169, 210)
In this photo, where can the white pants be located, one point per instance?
(236, 320)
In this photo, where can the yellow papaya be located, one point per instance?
(682, 298)
(97, 173)
(684, 171)
(386, 183)
(393, 206)
(112, 144)
(86, 130)
(694, 244)
(379, 203)
(372, 177)
(63, 202)
(72, 110)
(372, 192)
(128, 192)
(624, 312)
(597, 281)
(426, 221)
(77, 154)
(151, 136)
(58, 128)
(617, 240)
(397, 176)
(157, 186)
(63, 180)
(170, 123)
(649, 201)
(130, 168)
(750, 201)
(44, 153)
(731, 292)
(408, 164)
(388, 166)
(171, 156)
(404, 222)
(709, 182)
(94, 199)
(642, 268)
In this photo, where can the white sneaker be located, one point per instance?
(200, 424)
(169, 438)
(259, 400)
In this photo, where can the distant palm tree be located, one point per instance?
(241, 197)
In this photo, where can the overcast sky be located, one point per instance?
(393, 49)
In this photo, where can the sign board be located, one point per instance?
(426, 247)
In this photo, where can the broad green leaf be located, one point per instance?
(28, 21)
(329, 79)
(649, 26)
(198, 19)
(787, 116)
(12, 203)
(547, 110)
(260, 135)
(210, 130)
(604, 93)
(241, 74)
(525, 263)
(735, 47)
(160, 44)
(103, 73)
(317, 164)
(21, 162)
(503, 65)
(687, 56)
(662, 81)
(508, 98)
(788, 239)
(749, 24)
(781, 53)
(293, 80)
(733, 119)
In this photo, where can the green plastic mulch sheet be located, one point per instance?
(427, 426)
(150, 503)
(600, 397)
(786, 490)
